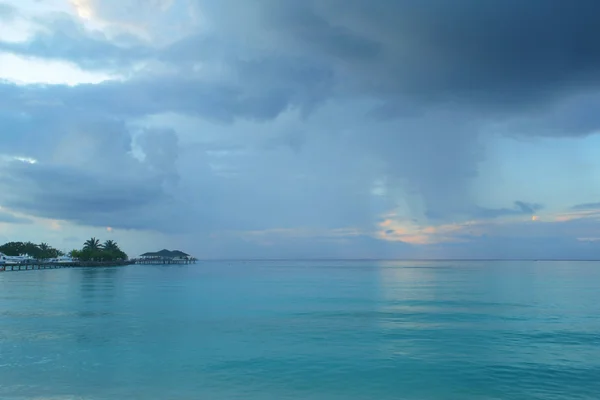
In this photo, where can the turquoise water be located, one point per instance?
(303, 330)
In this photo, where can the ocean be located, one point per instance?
(322, 330)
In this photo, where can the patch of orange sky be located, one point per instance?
(577, 215)
(408, 232)
(87, 10)
(403, 231)
(396, 229)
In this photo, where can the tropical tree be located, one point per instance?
(39, 251)
(110, 245)
(75, 253)
(92, 244)
(94, 251)
(46, 251)
(18, 248)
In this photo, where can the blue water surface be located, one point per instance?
(303, 330)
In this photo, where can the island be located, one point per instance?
(166, 257)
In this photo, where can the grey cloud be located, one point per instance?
(529, 240)
(508, 53)
(266, 88)
(586, 206)
(520, 208)
(304, 26)
(7, 12)
(517, 247)
(275, 247)
(94, 170)
(67, 193)
(281, 188)
(87, 174)
(528, 208)
(161, 151)
(91, 199)
(11, 219)
(432, 156)
(576, 115)
(65, 39)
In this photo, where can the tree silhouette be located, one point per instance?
(92, 244)
(110, 245)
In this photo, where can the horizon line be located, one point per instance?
(398, 259)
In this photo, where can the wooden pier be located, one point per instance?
(37, 265)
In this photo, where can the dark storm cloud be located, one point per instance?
(95, 199)
(504, 53)
(70, 194)
(303, 25)
(507, 52)
(576, 115)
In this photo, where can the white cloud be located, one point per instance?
(28, 70)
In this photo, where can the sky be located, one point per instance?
(314, 129)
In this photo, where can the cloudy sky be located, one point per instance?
(284, 128)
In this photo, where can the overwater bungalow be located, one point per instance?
(166, 257)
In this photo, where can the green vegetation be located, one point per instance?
(93, 250)
(40, 251)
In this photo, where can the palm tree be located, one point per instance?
(44, 250)
(91, 244)
(75, 253)
(110, 245)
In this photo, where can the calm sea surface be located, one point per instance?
(303, 330)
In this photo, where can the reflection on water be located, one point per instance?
(298, 330)
(99, 282)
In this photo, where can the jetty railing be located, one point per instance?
(36, 265)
